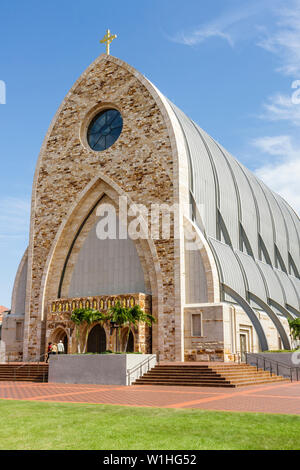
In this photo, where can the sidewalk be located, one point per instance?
(267, 398)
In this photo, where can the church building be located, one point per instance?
(224, 280)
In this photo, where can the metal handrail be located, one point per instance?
(239, 357)
(277, 363)
(270, 360)
(140, 366)
(30, 362)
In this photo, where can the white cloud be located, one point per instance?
(198, 36)
(281, 37)
(282, 171)
(282, 174)
(277, 145)
(282, 107)
(285, 40)
(224, 27)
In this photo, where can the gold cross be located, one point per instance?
(108, 38)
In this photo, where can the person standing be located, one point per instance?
(49, 351)
(61, 347)
(54, 349)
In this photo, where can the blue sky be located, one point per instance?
(229, 64)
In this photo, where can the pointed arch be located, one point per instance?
(97, 339)
(272, 315)
(60, 333)
(86, 201)
(18, 299)
(102, 267)
(251, 314)
(211, 272)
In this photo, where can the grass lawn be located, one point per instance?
(64, 426)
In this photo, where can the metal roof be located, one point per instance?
(230, 270)
(246, 224)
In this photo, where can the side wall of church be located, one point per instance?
(13, 323)
(222, 326)
(237, 323)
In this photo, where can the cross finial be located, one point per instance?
(108, 38)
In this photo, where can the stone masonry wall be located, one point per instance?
(140, 162)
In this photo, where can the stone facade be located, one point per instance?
(221, 328)
(12, 335)
(66, 185)
(209, 346)
(59, 324)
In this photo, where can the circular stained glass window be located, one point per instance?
(104, 129)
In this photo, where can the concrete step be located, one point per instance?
(23, 379)
(183, 379)
(216, 375)
(256, 379)
(257, 382)
(180, 374)
(183, 376)
(24, 372)
(184, 384)
(247, 374)
(206, 379)
(200, 370)
(175, 374)
(23, 364)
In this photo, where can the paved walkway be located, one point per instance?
(268, 398)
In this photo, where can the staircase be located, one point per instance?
(202, 375)
(24, 372)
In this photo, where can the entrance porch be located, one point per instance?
(101, 337)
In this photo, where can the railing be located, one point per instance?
(10, 357)
(271, 365)
(140, 368)
(30, 363)
(102, 303)
(237, 357)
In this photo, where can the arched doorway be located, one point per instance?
(97, 340)
(65, 341)
(60, 335)
(130, 343)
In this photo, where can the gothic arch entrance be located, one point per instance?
(97, 340)
(130, 344)
(58, 335)
(65, 341)
(57, 264)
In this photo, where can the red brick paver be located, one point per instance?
(267, 398)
